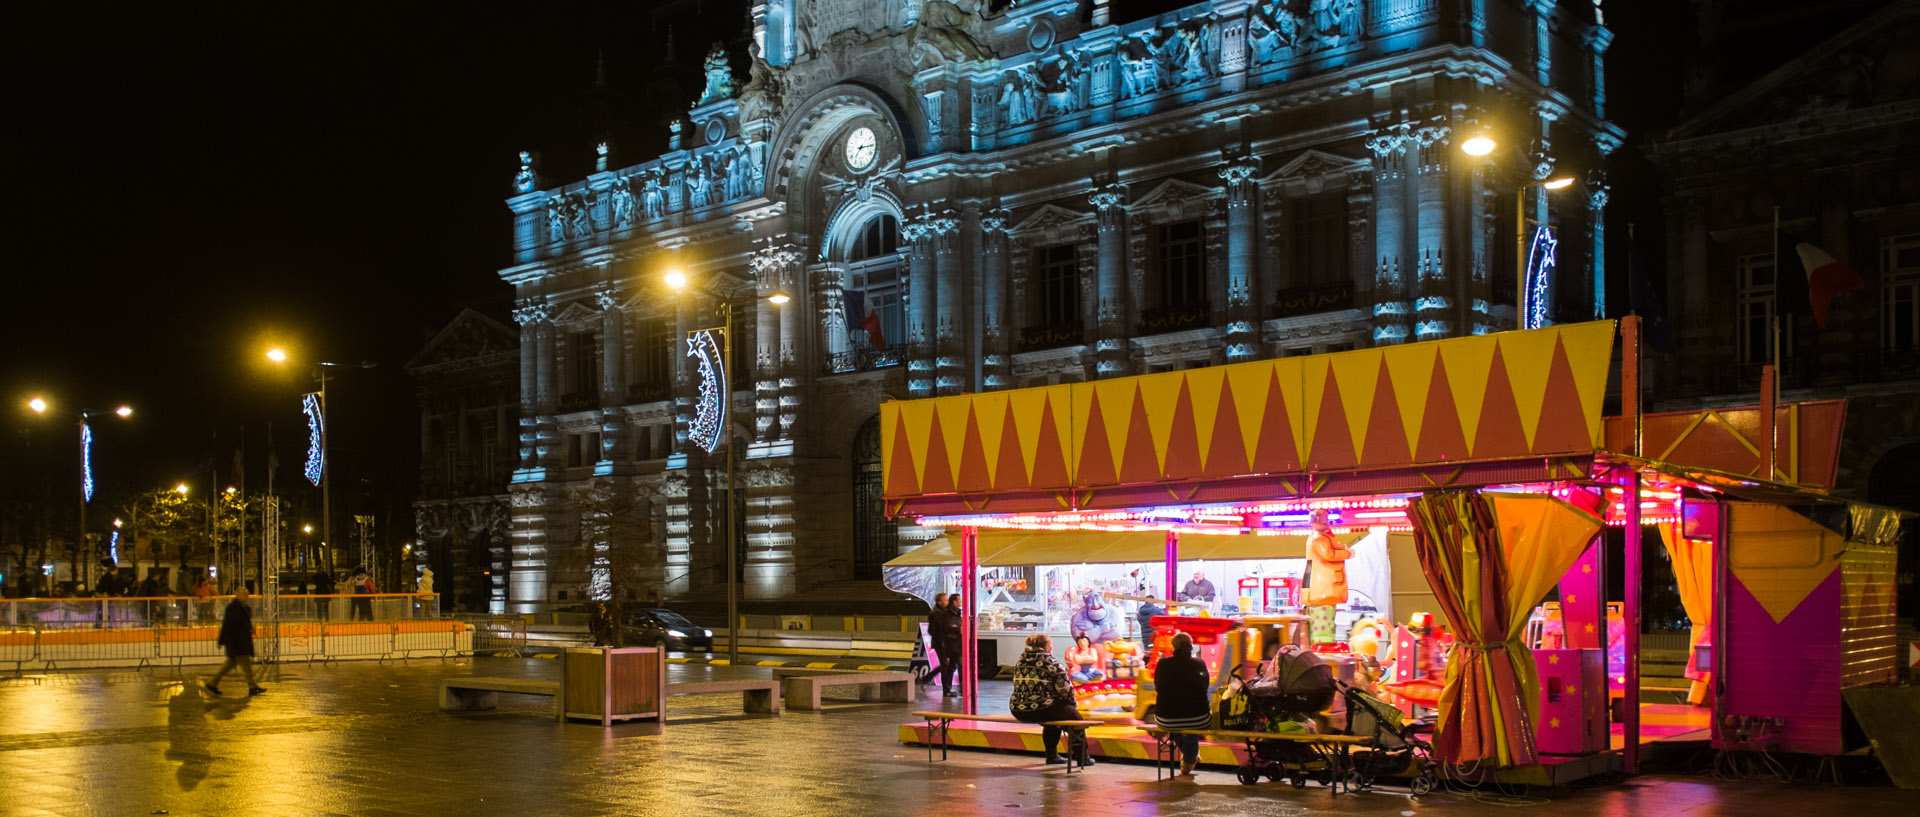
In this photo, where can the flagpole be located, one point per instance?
(1771, 400)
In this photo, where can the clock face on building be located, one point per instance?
(860, 149)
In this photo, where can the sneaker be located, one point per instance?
(1085, 762)
(252, 691)
(210, 687)
(1053, 760)
(952, 694)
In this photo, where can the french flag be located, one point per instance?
(858, 315)
(1809, 278)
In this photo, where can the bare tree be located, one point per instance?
(614, 556)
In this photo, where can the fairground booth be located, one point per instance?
(1469, 486)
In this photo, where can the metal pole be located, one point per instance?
(733, 554)
(1630, 622)
(1520, 254)
(80, 549)
(970, 621)
(1173, 570)
(326, 464)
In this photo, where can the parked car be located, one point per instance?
(659, 626)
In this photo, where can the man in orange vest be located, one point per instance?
(1327, 578)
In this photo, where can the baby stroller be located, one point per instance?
(1397, 750)
(1291, 690)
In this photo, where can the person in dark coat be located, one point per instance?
(944, 628)
(323, 586)
(236, 635)
(1181, 702)
(1043, 692)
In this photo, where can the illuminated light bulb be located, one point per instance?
(1478, 146)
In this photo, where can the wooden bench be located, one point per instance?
(942, 722)
(1163, 748)
(475, 693)
(803, 687)
(761, 697)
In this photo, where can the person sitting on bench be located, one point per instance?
(1180, 681)
(1041, 693)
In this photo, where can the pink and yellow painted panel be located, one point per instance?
(1503, 396)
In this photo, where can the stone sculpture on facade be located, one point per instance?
(654, 196)
(622, 194)
(579, 217)
(1019, 98)
(699, 181)
(1139, 72)
(719, 76)
(557, 219)
(523, 182)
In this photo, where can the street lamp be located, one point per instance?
(40, 406)
(1532, 305)
(716, 410)
(318, 421)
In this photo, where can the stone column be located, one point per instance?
(829, 301)
(917, 232)
(766, 351)
(615, 448)
(1597, 194)
(950, 319)
(1392, 306)
(993, 269)
(1431, 284)
(1359, 233)
(529, 314)
(793, 317)
(1598, 39)
(1241, 174)
(1112, 309)
(547, 451)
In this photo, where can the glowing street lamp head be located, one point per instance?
(117, 523)
(124, 411)
(277, 355)
(779, 298)
(676, 279)
(38, 405)
(230, 489)
(1557, 183)
(180, 489)
(1478, 146)
(306, 528)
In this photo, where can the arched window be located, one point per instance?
(876, 538)
(874, 273)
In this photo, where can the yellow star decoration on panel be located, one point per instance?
(1571, 599)
(1553, 659)
(1555, 723)
(1586, 568)
(1588, 628)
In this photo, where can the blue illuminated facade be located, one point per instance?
(1037, 195)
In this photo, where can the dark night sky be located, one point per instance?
(198, 181)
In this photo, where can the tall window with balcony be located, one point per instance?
(653, 361)
(874, 271)
(1900, 298)
(1756, 306)
(1178, 299)
(1318, 257)
(583, 372)
(1053, 299)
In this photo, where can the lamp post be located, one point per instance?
(40, 406)
(717, 410)
(326, 485)
(1483, 145)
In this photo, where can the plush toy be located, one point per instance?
(1099, 623)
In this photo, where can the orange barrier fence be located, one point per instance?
(84, 646)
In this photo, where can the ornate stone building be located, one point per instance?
(1828, 139)
(469, 422)
(962, 199)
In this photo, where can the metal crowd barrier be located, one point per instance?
(496, 634)
(78, 643)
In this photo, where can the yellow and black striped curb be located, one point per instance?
(722, 662)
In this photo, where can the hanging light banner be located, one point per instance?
(709, 413)
(86, 461)
(316, 437)
(1533, 290)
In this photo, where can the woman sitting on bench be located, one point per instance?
(1181, 681)
(1041, 693)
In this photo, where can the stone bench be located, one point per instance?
(804, 687)
(942, 721)
(475, 693)
(756, 696)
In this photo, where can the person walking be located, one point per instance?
(1180, 683)
(323, 587)
(236, 635)
(944, 621)
(1042, 692)
(203, 599)
(362, 595)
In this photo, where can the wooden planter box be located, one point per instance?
(608, 684)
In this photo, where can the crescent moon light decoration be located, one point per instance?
(710, 411)
(316, 437)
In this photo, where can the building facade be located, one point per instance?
(957, 198)
(1821, 150)
(469, 429)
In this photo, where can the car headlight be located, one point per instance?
(707, 633)
(676, 634)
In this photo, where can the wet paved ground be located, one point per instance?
(367, 740)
